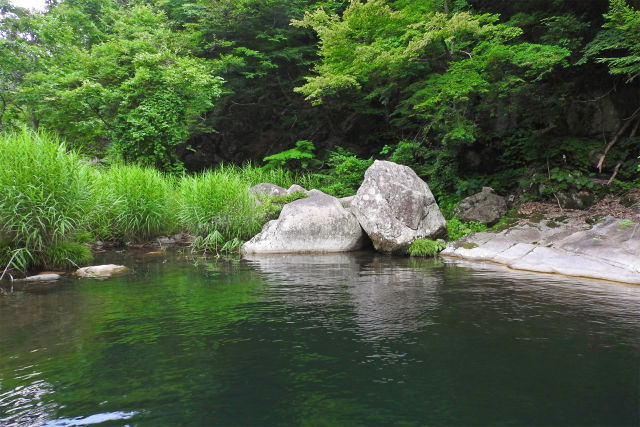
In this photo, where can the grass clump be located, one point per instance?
(218, 201)
(45, 195)
(133, 203)
(427, 247)
(456, 228)
(68, 254)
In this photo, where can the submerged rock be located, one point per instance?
(106, 270)
(486, 207)
(609, 250)
(318, 223)
(43, 277)
(396, 207)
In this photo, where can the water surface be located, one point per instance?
(354, 339)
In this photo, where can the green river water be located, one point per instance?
(351, 339)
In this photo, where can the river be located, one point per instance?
(347, 339)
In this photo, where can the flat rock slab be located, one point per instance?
(106, 270)
(610, 250)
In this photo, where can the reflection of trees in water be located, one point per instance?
(387, 296)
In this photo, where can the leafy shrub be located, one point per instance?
(456, 228)
(132, 203)
(218, 201)
(346, 174)
(45, 193)
(426, 247)
(563, 180)
(447, 203)
(299, 157)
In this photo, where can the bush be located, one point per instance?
(347, 172)
(426, 247)
(456, 228)
(45, 193)
(132, 203)
(218, 201)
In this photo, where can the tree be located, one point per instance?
(426, 66)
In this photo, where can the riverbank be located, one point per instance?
(602, 242)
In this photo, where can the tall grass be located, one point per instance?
(133, 203)
(278, 176)
(45, 194)
(50, 198)
(218, 201)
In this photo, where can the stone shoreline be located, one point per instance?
(606, 250)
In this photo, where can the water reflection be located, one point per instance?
(319, 339)
(388, 296)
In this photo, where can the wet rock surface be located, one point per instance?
(609, 249)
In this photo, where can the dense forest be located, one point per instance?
(468, 92)
(529, 97)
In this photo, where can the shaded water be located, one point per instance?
(319, 340)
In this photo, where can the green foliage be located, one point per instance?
(563, 180)
(346, 172)
(438, 63)
(45, 193)
(456, 228)
(218, 201)
(427, 247)
(271, 206)
(620, 33)
(133, 203)
(68, 254)
(299, 157)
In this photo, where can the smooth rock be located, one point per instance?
(295, 188)
(486, 207)
(610, 250)
(396, 207)
(318, 223)
(45, 277)
(106, 270)
(267, 189)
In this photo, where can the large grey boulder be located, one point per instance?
(396, 207)
(318, 223)
(486, 207)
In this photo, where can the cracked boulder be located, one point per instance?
(395, 207)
